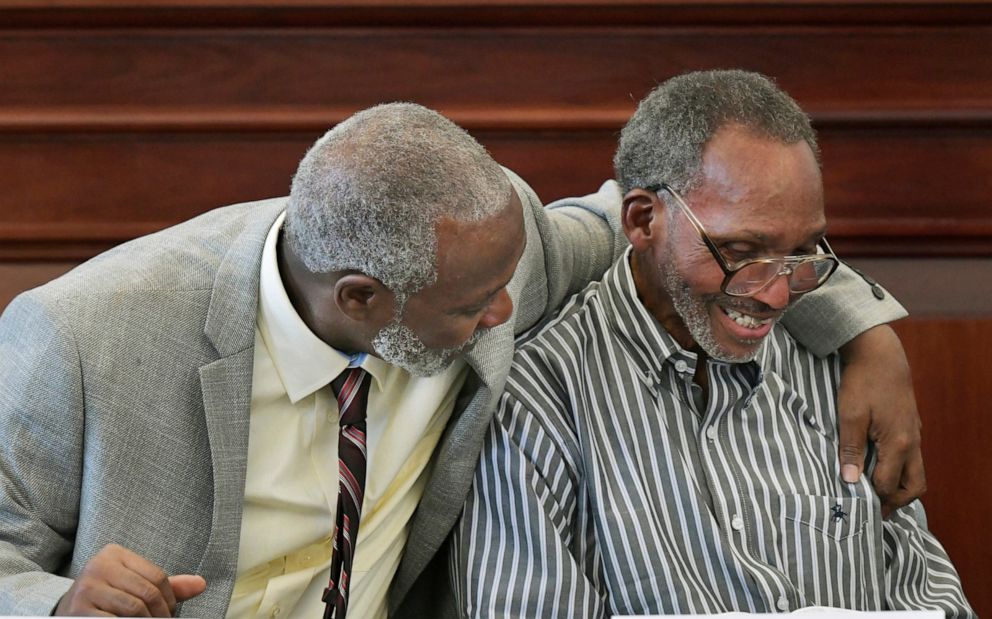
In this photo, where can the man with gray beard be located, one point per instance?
(663, 447)
(275, 409)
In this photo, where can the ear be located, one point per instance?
(640, 208)
(363, 298)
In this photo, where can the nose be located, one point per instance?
(776, 295)
(498, 312)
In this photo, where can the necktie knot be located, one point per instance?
(352, 390)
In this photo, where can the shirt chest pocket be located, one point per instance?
(827, 548)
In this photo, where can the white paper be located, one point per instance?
(810, 612)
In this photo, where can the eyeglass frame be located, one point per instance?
(730, 270)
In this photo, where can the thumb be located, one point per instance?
(854, 422)
(186, 586)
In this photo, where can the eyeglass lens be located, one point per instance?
(803, 277)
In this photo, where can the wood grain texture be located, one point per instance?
(111, 129)
(829, 69)
(70, 195)
(950, 370)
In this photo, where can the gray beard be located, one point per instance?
(398, 345)
(694, 313)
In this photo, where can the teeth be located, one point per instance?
(746, 321)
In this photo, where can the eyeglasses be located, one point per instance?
(747, 278)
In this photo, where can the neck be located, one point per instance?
(657, 301)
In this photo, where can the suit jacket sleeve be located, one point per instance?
(568, 246)
(41, 429)
(822, 321)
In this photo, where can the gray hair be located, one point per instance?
(369, 194)
(664, 140)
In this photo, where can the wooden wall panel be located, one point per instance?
(949, 371)
(904, 107)
(909, 192)
(171, 177)
(829, 69)
(72, 194)
(112, 187)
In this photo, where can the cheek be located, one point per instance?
(701, 274)
(449, 333)
(692, 262)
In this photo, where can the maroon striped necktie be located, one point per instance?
(352, 389)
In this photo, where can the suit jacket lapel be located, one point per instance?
(226, 387)
(456, 458)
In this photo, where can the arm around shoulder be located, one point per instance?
(586, 238)
(846, 306)
(876, 400)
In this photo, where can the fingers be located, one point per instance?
(912, 485)
(186, 586)
(149, 583)
(876, 401)
(854, 423)
(142, 597)
(117, 581)
(899, 476)
(914, 476)
(101, 599)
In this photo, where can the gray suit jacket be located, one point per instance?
(125, 388)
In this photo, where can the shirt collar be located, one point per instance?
(304, 362)
(647, 339)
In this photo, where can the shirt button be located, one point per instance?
(878, 292)
(782, 604)
(681, 366)
(711, 433)
(811, 420)
(737, 523)
(276, 611)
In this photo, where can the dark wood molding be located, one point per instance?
(467, 14)
(276, 118)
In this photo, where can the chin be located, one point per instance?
(738, 352)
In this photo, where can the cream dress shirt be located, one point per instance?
(292, 480)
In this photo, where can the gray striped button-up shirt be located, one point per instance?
(609, 485)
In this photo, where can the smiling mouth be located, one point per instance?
(745, 320)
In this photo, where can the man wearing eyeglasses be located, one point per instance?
(664, 446)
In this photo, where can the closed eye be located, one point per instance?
(475, 309)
